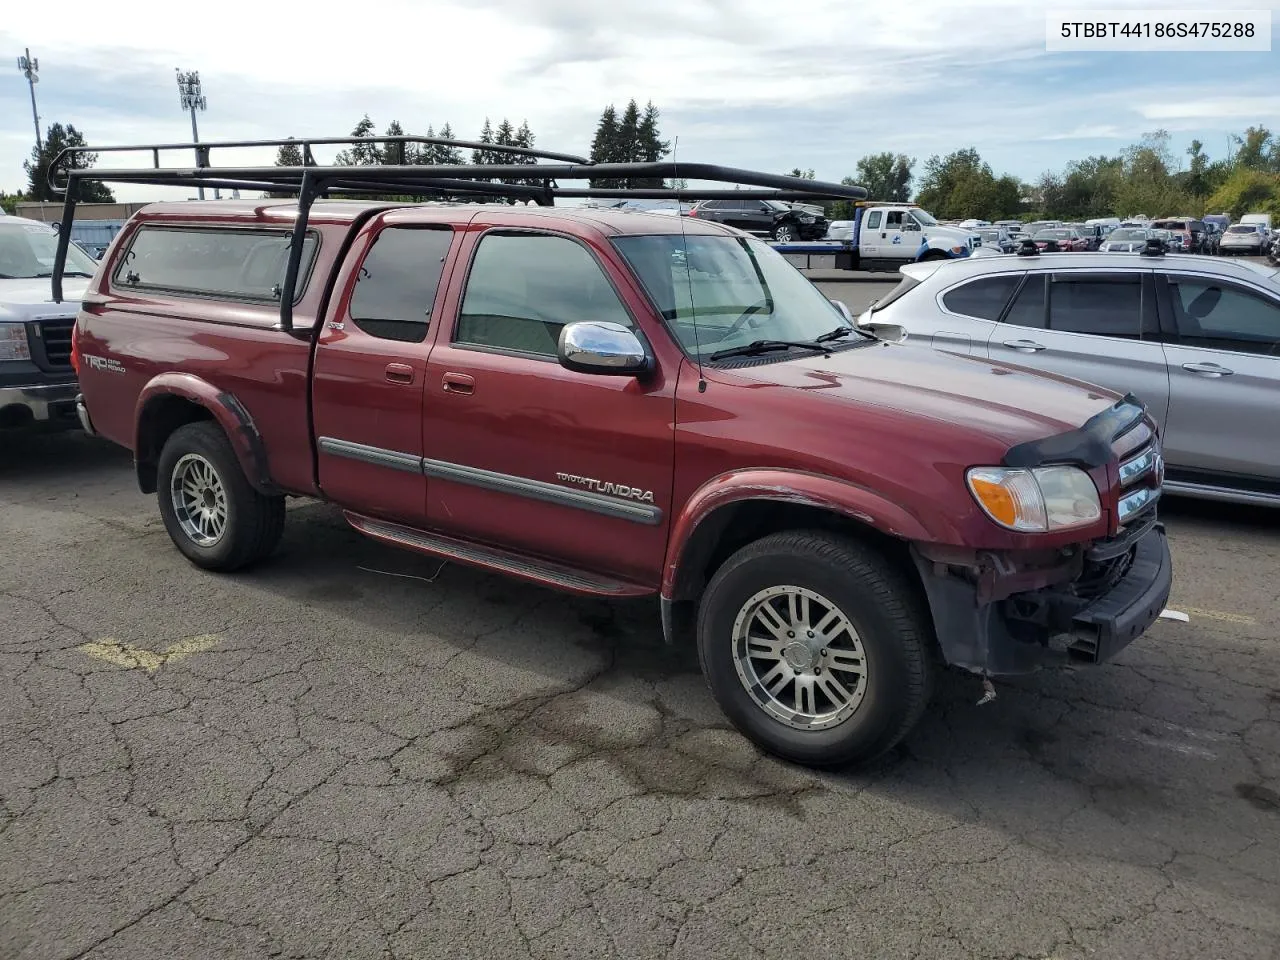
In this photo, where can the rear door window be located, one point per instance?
(1103, 306)
(1028, 307)
(984, 298)
(396, 285)
(223, 263)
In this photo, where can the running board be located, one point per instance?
(536, 570)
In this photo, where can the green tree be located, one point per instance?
(802, 174)
(446, 154)
(628, 144)
(957, 186)
(1247, 191)
(56, 138)
(361, 154)
(650, 147)
(887, 176)
(287, 155)
(1259, 150)
(9, 202)
(398, 154)
(1197, 179)
(605, 144)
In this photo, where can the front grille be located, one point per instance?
(1141, 477)
(56, 338)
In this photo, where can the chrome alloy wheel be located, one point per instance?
(199, 500)
(799, 657)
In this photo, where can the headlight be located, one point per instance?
(1036, 501)
(13, 342)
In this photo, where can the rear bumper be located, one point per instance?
(50, 405)
(1020, 630)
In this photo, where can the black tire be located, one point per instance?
(253, 522)
(786, 233)
(933, 255)
(880, 603)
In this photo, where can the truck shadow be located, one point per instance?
(1129, 761)
(28, 456)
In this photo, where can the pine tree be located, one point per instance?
(360, 154)
(397, 154)
(628, 145)
(55, 139)
(604, 146)
(288, 155)
(486, 136)
(428, 152)
(650, 147)
(448, 155)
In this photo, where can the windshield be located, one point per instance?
(989, 234)
(1128, 235)
(739, 290)
(924, 219)
(1053, 235)
(1242, 228)
(27, 250)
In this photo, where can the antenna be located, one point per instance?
(688, 275)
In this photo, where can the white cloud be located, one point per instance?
(749, 82)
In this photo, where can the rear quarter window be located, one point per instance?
(983, 298)
(212, 262)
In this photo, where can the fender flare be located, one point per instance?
(227, 411)
(788, 486)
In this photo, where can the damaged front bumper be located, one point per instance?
(998, 615)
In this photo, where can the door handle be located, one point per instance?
(1208, 369)
(1025, 346)
(399, 373)
(459, 383)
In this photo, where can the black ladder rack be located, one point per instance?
(533, 180)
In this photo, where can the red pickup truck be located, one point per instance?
(626, 404)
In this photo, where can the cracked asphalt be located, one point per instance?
(355, 752)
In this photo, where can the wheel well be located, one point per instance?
(730, 528)
(160, 417)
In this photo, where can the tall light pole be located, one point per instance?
(192, 99)
(30, 68)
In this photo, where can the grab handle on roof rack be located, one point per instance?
(309, 189)
(64, 239)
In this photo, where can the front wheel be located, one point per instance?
(815, 648)
(785, 233)
(211, 511)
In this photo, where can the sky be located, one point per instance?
(748, 83)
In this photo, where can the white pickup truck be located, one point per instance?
(884, 236)
(37, 384)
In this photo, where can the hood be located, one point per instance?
(954, 233)
(1003, 401)
(32, 298)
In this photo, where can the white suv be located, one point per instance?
(1196, 338)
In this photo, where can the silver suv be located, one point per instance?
(1196, 338)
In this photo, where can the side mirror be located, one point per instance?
(844, 309)
(601, 347)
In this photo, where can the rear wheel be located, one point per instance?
(815, 648)
(211, 511)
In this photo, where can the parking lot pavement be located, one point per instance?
(355, 752)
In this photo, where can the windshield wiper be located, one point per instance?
(767, 346)
(67, 273)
